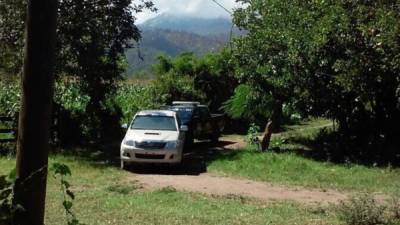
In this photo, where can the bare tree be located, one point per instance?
(35, 115)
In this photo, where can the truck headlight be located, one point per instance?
(171, 145)
(130, 143)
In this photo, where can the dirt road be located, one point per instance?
(193, 177)
(215, 185)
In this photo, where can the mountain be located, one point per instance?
(201, 26)
(171, 35)
(170, 43)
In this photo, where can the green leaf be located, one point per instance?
(61, 169)
(12, 176)
(74, 221)
(66, 184)
(67, 205)
(70, 194)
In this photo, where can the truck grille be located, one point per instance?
(150, 145)
(145, 156)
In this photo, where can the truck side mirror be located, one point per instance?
(184, 128)
(124, 126)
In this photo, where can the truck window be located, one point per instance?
(184, 114)
(151, 122)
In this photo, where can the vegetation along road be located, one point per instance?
(214, 185)
(309, 92)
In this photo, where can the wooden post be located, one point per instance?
(35, 115)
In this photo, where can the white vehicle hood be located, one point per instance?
(151, 135)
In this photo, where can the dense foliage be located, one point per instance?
(70, 113)
(92, 47)
(338, 59)
(134, 97)
(91, 40)
(263, 58)
(188, 77)
(356, 77)
(12, 25)
(9, 98)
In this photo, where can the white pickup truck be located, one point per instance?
(153, 136)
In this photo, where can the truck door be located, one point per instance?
(206, 122)
(197, 123)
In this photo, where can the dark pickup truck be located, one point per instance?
(201, 123)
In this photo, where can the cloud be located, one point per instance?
(198, 8)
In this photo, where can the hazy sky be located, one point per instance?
(200, 8)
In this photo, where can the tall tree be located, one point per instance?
(333, 58)
(279, 48)
(92, 37)
(356, 78)
(35, 115)
(265, 58)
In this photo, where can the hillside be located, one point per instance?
(171, 35)
(171, 43)
(201, 26)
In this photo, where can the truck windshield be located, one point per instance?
(184, 114)
(151, 122)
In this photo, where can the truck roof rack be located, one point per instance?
(185, 103)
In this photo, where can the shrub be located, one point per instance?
(394, 209)
(9, 98)
(69, 96)
(7, 206)
(277, 143)
(167, 190)
(252, 136)
(173, 86)
(365, 210)
(60, 172)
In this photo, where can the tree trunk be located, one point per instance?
(266, 136)
(273, 125)
(35, 115)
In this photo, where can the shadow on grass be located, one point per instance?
(330, 146)
(194, 163)
(195, 159)
(96, 155)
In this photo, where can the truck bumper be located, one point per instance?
(130, 154)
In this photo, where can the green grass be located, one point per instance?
(288, 168)
(3, 135)
(105, 195)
